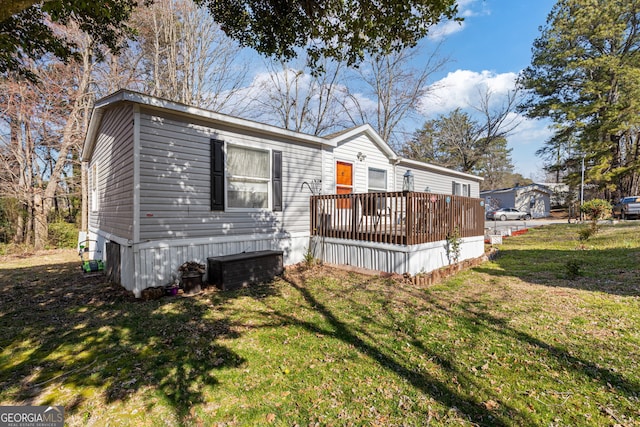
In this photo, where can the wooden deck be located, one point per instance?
(401, 218)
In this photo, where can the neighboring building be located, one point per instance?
(170, 183)
(534, 199)
(561, 194)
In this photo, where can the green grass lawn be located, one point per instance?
(546, 334)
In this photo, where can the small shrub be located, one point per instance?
(309, 259)
(454, 243)
(596, 209)
(584, 233)
(63, 234)
(573, 269)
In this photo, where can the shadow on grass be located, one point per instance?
(469, 312)
(62, 332)
(460, 389)
(613, 271)
(445, 393)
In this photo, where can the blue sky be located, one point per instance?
(488, 50)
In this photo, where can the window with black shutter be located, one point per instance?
(276, 180)
(243, 179)
(217, 175)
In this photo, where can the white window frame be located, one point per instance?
(457, 188)
(461, 189)
(386, 180)
(229, 178)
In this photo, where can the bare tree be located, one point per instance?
(295, 99)
(16, 106)
(386, 90)
(47, 122)
(181, 54)
(459, 141)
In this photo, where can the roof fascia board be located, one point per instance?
(526, 188)
(90, 137)
(163, 104)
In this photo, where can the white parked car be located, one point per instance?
(504, 214)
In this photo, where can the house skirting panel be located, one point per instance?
(389, 258)
(156, 263)
(98, 243)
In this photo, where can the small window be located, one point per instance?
(248, 173)
(377, 180)
(459, 189)
(94, 187)
(456, 189)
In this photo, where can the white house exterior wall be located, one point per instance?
(389, 258)
(434, 182)
(175, 182)
(347, 151)
(520, 198)
(176, 221)
(541, 203)
(328, 171)
(154, 170)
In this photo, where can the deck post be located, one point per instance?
(410, 213)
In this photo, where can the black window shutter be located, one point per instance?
(217, 175)
(276, 179)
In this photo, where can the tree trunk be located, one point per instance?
(70, 135)
(40, 224)
(28, 230)
(18, 238)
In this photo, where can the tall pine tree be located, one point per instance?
(585, 76)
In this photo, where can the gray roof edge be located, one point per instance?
(125, 95)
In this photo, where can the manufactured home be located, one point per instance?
(170, 183)
(535, 199)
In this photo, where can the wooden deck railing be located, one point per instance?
(403, 218)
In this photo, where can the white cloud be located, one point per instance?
(466, 9)
(463, 89)
(531, 131)
(443, 29)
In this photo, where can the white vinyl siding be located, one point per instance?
(439, 182)
(347, 151)
(111, 195)
(175, 181)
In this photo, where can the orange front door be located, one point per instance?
(344, 182)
